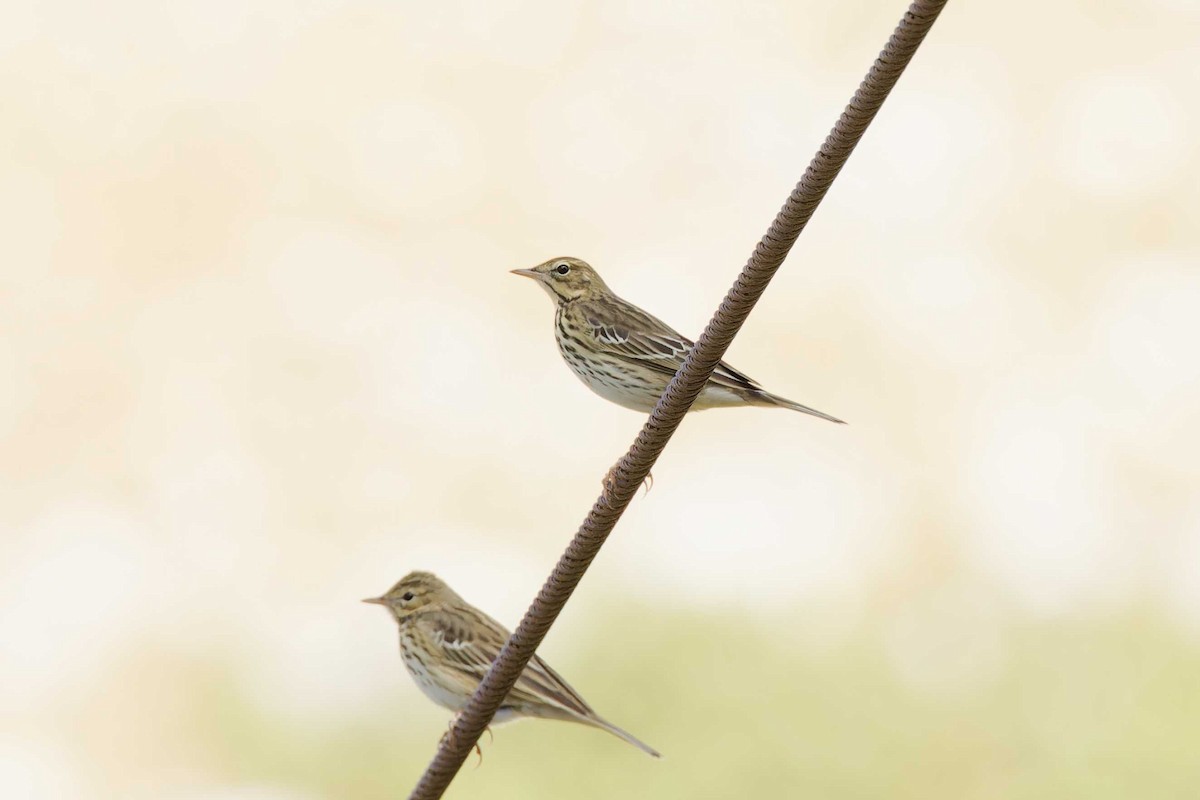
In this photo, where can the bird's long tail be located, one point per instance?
(768, 399)
(604, 724)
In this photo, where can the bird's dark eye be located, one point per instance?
(406, 596)
(563, 269)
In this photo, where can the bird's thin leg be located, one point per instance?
(610, 480)
(448, 736)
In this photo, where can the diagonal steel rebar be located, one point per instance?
(635, 465)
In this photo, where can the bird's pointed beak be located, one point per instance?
(528, 273)
(379, 601)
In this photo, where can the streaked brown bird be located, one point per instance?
(448, 645)
(629, 356)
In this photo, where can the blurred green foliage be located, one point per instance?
(1106, 708)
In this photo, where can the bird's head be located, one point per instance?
(566, 279)
(414, 591)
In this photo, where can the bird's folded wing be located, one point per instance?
(472, 647)
(631, 333)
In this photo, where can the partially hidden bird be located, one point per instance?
(627, 355)
(448, 645)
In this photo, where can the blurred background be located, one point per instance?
(261, 356)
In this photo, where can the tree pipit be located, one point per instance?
(448, 645)
(628, 356)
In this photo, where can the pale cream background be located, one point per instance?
(261, 355)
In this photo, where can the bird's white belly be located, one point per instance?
(432, 688)
(622, 395)
(437, 693)
(642, 398)
(624, 391)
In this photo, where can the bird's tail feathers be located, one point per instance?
(775, 400)
(604, 724)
